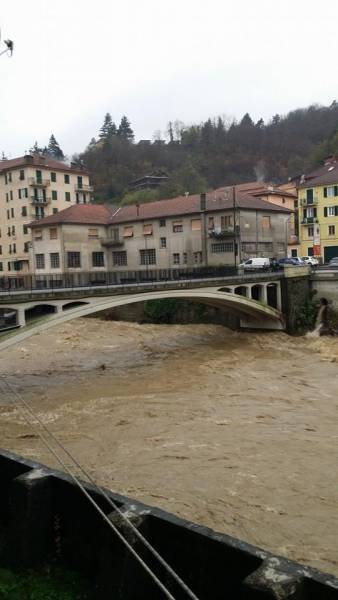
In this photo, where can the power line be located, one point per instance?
(107, 498)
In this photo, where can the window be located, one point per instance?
(266, 222)
(0, 249)
(38, 175)
(10, 177)
(8, 214)
(128, 231)
(309, 213)
(11, 195)
(98, 259)
(55, 210)
(25, 229)
(37, 234)
(9, 231)
(197, 257)
(330, 211)
(53, 177)
(295, 204)
(73, 260)
(19, 194)
(39, 212)
(14, 248)
(120, 258)
(148, 257)
(6, 179)
(331, 191)
(26, 246)
(26, 192)
(226, 221)
(12, 212)
(163, 242)
(10, 249)
(22, 175)
(54, 260)
(224, 247)
(162, 222)
(40, 261)
(185, 258)
(79, 182)
(332, 229)
(7, 197)
(1, 267)
(9, 266)
(176, 258)
(93, 233)
(309, 196)
(177, 226)
(195, 224)
(310, 232)
(211, 223)
(265, 247)
(294, 253)
(148, 229)
(54, 195)
(67, 196)
(53, 233)
(66, 178)
(13, 230)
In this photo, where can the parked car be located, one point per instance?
(311, 260)
(294, 261)
(255, 263)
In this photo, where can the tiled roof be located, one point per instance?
(90, 214)
(36, 160)
(180, 206)
(326, 174)
(260, 188)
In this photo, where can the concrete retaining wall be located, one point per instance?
(45, 517)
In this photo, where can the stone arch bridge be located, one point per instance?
(256, 300)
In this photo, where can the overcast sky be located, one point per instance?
(157, 61)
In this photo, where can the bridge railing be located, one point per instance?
(56, 281)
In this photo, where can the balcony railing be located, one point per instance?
(307, 202)
(83, 188)
(309, 221)
(111, 242)
(37, 182)
(221, 234)
(40, 201)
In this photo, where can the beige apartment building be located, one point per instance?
(33, 187)
(208, 230)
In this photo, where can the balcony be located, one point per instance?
(83, 188)
(306, 202)
(37, 182)
(111, 242)
(222, 234)
(40, 201)
(309, 221)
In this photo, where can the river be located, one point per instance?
(234, 430)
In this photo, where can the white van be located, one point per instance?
(255, 263)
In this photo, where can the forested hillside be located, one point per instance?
(210, 154)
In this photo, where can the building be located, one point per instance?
(149, 182)
(208, 230)
(33, 187)
(318, 211)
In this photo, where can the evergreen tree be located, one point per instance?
(125, 131)
(53, 149)
(108, 128)
(36, 149)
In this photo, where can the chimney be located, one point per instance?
(29, 159)
(203, 202)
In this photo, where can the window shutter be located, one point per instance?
(315, 212)
(325, 192)
(336, 211)
(336, 190)
(304, 213)
(325, 211)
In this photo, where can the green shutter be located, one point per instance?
(325, 211)
(325, 192)
(315, 212)
(336, 211)
(336, 190)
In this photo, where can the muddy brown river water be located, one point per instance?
(237, 431)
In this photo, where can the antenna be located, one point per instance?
(10, 47)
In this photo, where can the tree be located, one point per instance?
(125, 131)
(36, 149)
(140, 196)
(108, 128)
(54, 150)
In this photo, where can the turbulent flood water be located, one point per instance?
(237, 431)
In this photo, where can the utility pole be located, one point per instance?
(234, 216)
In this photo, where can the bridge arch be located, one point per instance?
(252, 313)
(74, 304)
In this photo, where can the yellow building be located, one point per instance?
(33, 187)
(318, 211)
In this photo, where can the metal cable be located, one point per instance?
(98, 488)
